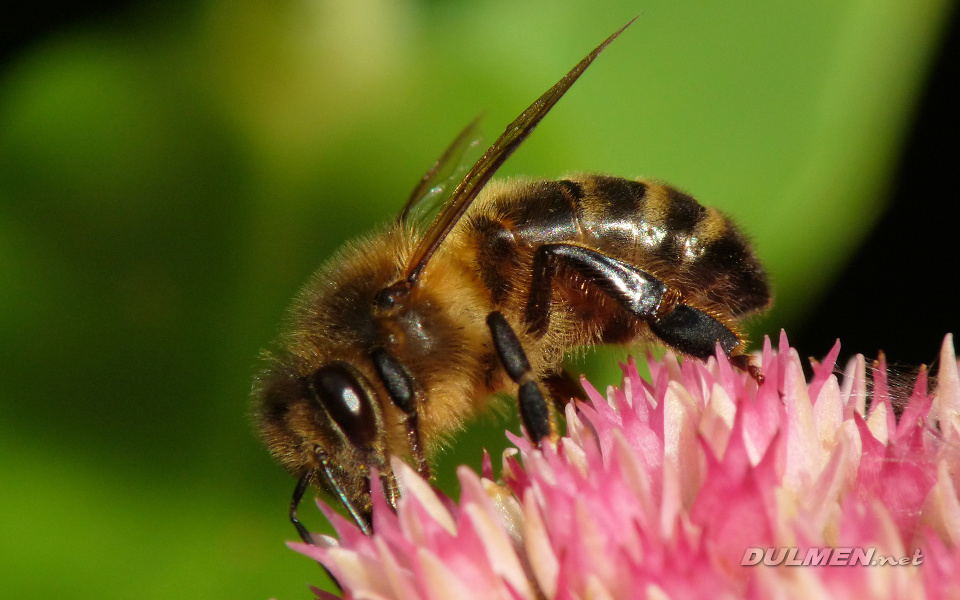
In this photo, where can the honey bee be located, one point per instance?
(407, 333)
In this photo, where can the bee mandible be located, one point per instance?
(408, 332)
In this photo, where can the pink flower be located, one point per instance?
(664, 489)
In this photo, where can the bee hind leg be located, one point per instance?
(693, 332)
(696, 333)
(685, 328)
(533, 406)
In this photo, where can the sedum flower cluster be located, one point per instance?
(699, 483)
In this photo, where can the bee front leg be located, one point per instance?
(533, 407)
(302, 484)
(687, 329)
(403, 393)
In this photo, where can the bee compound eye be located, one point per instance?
(337, 388)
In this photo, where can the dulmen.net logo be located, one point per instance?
(825, 557)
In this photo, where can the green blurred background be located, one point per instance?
(170, 174)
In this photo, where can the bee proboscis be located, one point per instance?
(406, 333)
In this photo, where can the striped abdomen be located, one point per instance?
(694, 249)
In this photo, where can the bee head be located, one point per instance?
(326, 425)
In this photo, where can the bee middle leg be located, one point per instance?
(687, 329)
(533, 407)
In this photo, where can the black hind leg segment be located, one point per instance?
(693, 332)
(689, 330)
(533, 406)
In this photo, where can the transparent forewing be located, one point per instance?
(440, 180)
(468, 189)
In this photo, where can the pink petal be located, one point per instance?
(804, 448)
(941, 510)
(542, 559)
(413, 487)
(947, 403)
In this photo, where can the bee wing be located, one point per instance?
(478, 176)
(434, 188)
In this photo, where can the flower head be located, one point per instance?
(662, 488)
